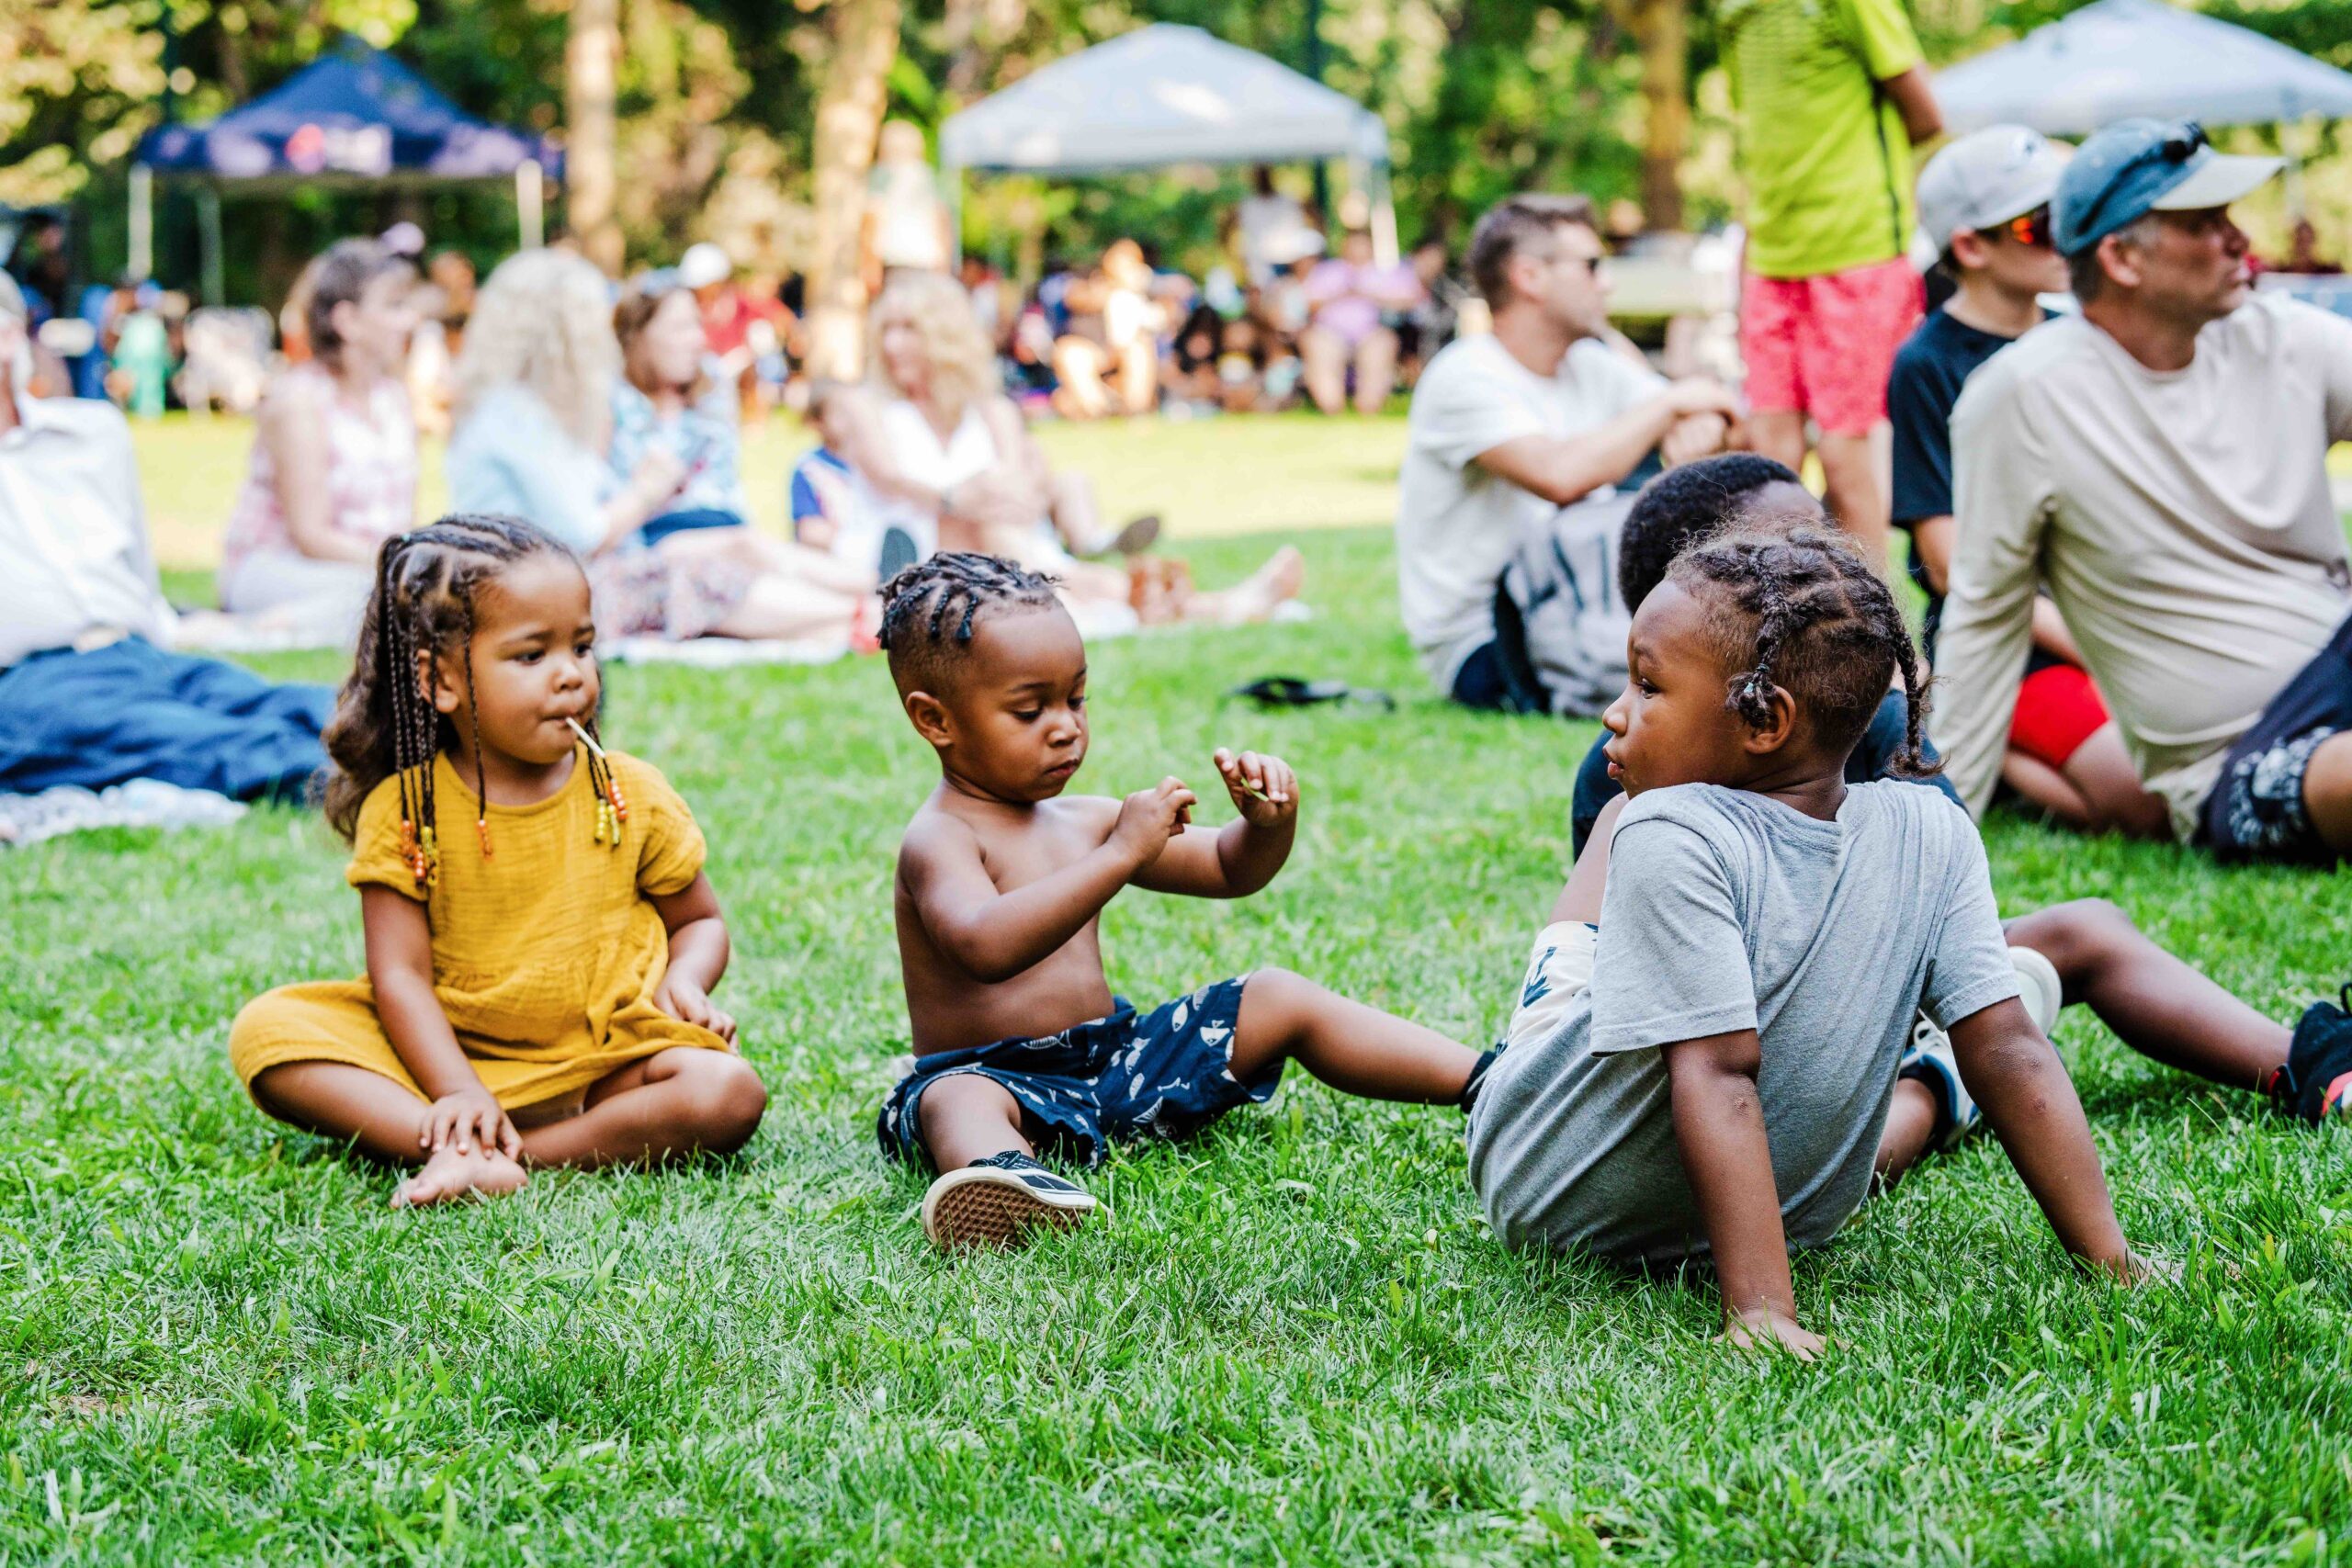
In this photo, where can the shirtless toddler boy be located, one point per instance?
(1019, 1042)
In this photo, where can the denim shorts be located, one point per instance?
(1166, 1073)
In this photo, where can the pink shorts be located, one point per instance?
(1825, 345)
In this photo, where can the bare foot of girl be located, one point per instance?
(1258, 595)
(480, 1173)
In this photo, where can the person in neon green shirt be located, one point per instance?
(1831, 97)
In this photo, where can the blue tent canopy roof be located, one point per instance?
(354, 115)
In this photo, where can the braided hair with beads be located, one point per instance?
(385, 725)
(929, 611)
(1801, 613)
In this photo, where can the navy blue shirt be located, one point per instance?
(1930, 368)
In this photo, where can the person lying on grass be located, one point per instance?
(539, 981)
(2087, 951)
(1706, 1071)
(1019, 1044)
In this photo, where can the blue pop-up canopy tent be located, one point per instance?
(355, 117)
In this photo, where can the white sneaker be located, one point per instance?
(997, 1201)
(1929, 1057)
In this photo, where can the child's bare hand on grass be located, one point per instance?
(1265, 789)
(1761, 1327)
(1149, 817)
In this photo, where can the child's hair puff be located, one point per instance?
(930, 610)
(423, 606)
(1802, 611)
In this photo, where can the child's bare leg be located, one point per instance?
(670, 1104)
(2158, 1005)
(1358, 1049)
(968, 1117)
(1910, 1121)
(385, 1121)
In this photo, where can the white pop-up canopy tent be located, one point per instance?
(2118, 59)
(1167, 95)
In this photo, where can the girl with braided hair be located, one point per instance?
(1704, 1054)
(539, 978)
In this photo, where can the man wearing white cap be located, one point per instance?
(1985, 216)
(2158, 463)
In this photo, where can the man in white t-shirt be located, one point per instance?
(2159, 463)
(1507, 429)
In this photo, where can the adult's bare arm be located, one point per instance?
(293, 428)
(1915, 100)
(1565, 469)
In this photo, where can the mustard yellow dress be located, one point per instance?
(546, 953)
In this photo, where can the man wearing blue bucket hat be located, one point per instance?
(2157, 463)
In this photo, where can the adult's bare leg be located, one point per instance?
(1375, 371)
(2327, 792)
(2044, 786)
(786, 610)
(1325, 360)
(2102, 770)
(1778, 433)
(1855, 494)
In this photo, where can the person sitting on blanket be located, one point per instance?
(89, 693)
(1509, 427)
(1002, 882)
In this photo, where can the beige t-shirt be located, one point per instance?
(2181, 520)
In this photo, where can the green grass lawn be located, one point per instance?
(1297, 1342)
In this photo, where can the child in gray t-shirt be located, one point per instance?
(1707, 1070)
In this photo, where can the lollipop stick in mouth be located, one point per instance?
(585, 739)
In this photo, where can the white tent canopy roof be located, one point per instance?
(1160, 95)
(2121, 58)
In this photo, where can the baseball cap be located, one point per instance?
(1984, 179)
(703, 265)
(2138, 167)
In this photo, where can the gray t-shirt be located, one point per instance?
(1727, 911)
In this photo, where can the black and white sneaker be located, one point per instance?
(996, 1201)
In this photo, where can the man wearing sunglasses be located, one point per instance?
(2158, 463)
(1984, 211)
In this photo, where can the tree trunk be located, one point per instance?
(1661, 31)
(591, 58)
(849, 117)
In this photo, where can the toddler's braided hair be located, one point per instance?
(385, 725)
(931, 610)
(1802, 611)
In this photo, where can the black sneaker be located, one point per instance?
(2317, 1082)
(997, 1201)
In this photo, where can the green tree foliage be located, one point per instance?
(717, 96)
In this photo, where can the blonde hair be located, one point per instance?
(544, 320)
(963, 367)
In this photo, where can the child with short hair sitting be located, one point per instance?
(1019, 1044)
(538, 980)
(1707, 1068)
(2087, 951)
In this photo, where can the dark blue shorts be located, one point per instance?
(2257, 807)
(1166, 1073)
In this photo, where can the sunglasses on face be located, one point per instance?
(2031, 229)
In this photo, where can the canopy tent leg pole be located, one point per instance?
(1384, 216)
(530, 203)
(142, 220)
(208, 217)
(955, 174)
